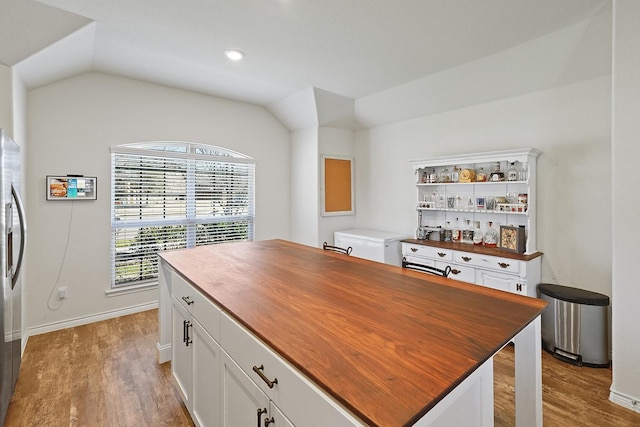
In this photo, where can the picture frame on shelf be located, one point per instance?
(481, 203)
(512, 239)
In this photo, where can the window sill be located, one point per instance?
(124, 290)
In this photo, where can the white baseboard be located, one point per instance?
(625, 401)
(78, 321)
(164, 353)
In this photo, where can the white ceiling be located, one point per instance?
(353, 48)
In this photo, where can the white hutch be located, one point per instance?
(442, 198)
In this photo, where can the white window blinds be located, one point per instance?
(175, 196)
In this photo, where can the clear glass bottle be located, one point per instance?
(478, 235)
(448, 232)
(481, 176)
(444, 175)
(423, 178)
(512, 173)
(432, 178)
(496, 175)
(456, 234)
(490, 236)
(467, 233)
(455, 174)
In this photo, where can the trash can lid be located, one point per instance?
(575, 295)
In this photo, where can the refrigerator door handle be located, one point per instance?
(23, 235)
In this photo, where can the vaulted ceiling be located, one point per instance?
(353, 48)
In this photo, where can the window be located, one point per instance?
(175, 195)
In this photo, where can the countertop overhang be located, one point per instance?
(386, 342)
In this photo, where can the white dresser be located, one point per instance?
(375, 245)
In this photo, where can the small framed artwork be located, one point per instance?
(480, 203)
(512, 238)
(71, 187)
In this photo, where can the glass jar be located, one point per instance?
(490, 236)
(444, 175)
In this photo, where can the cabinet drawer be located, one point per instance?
(301, 400)
(427, 251)
(486, 261)
(463, 273)
(200, 307)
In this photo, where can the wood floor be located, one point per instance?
(106, 374)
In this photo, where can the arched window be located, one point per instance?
(171, 195)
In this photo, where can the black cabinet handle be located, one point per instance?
(260, 412)
(184, 331)
(188, 339)
(503, 264)
(441, 254)
(268, 421)
(258, 370)
(187, 300)
(414, 249)
(466, 258)
(455, 271)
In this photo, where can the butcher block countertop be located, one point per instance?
(386, 342)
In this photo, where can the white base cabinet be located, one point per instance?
(497, 272)
(195, 353)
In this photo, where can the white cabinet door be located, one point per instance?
(206, 378)
(181, 352)
(503, 282)
(242, 402)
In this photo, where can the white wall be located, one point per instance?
(6, 115)
(570, 124)
(337, 142)
(72, 124)
(304, 186)
(625, 389)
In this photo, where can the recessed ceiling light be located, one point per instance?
(234, 54)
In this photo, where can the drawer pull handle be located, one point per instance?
(258, 370)
(455, 271)
(503, 264)
(441, 254)
(466, 258)
(260, 412)
(414, 249)
(268, 421)
(187, 300)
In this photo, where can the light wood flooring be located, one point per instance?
(106, 374)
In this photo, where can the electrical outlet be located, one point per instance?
(62, 292)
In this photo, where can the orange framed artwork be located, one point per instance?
(337, 181)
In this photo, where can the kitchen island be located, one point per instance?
(384, 345)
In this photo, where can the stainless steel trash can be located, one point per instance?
(574, 325)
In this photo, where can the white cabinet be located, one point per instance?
(515, 273)
(195, 353)
(381, 246)
(301, 401)
(502, 203)
(243, 402)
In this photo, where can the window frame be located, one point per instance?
(194, 156)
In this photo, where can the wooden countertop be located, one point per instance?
(477, 249)
(388, 343)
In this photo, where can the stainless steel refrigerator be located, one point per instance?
(11, 257)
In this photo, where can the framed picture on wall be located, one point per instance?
(71, 187)
(337, 185)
